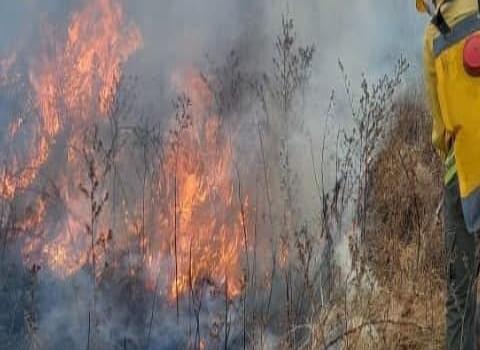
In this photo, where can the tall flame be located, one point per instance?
(84, 74)
(200, 221)
(208, 230)
(72, 81)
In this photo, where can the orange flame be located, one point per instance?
(209, 231)
(73, 83)
(76, 82)
(84, 75)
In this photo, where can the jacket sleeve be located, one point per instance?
(439, 135)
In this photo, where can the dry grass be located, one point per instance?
(394, 296)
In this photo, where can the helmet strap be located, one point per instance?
(439, 21)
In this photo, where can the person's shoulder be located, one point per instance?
(455, 11)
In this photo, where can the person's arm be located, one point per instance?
(439, 134)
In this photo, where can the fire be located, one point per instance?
(199, 167)
(68, 252)
(73, 81)
(200, 217)
(84, 74)
(18, 176)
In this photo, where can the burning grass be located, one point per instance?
(204, 225)
(185, 227)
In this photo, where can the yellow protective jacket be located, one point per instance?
(455, 100)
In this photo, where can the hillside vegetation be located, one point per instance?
(397, 269)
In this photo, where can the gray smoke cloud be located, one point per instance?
(368, 36)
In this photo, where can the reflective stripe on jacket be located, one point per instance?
(450, 168)
(455, 100)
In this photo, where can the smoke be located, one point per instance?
(368, 36)
(369, 32)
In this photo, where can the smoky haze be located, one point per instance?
(368, 36)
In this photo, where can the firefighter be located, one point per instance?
(452, 80)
